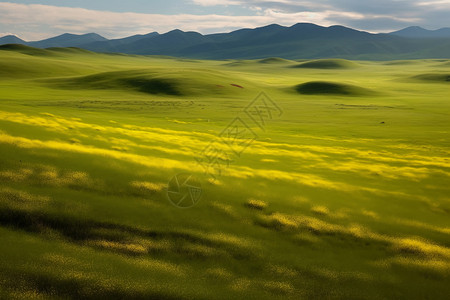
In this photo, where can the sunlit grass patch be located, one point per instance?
(421, 225)
(282, 270)
(32, 295)
(256, 204)
(219, 273)
(119, 148)
(241, 284)
(438, 265)
(52, 176)
(269, 160)
(90, 150)
(45, 175)
(278, 287)
(16, 175)
(20, 199)
(430, 268)
(320, 210)
(348, 196)
(230, 240)
(370, 214)
(306, 238)
(149, 187)
(410, 246)
(149, 264)
(200, 251)
(226, 209)
(278, 221)
(126, 248)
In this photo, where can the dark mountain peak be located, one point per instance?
(10, 36)
(91, 35)
(69, 36)
(306, 25)
(68, 40)
(94, 35)
(175, 31)
(272, 26)
(412, 29)
(179, 32)
(164, 43)
(341, 27)
(346, 31)
(11, 39)
(419, 32)
(64, 35)
(135, 37)
(154, 33)
(415, 28)
(115, 45)
(313, 31)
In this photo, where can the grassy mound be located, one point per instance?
(69, 50)
(153, 81)
(141, 82)
(326, 203)
(238, 63)
(327, 64)
(401, 63)
(433, 77)
(331, 88)
(445, 64)
(19, 66)
(274, 60)
(26, 50)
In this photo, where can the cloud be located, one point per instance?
(36, 21)
(379, 14)
(56, 20)
(216, 2)
(437, 3)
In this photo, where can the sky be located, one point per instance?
(37, 19)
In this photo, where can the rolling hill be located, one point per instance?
(341, 194)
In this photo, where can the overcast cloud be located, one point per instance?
(38, 20)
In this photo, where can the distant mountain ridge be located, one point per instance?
(419, 32)
(68, 40)
(11, 39)
(302, 40)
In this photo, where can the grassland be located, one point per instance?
(346, 195)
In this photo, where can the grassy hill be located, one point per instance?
(343, 196)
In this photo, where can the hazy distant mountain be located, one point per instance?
(11, 39)
(164, 44)
(68, 40)
(115, 44)
(302, 40)
(419, 32)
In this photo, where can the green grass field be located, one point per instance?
(345, 195)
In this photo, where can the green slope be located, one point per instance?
(343, 196)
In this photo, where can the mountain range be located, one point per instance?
(419, 32)
(302, 40)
